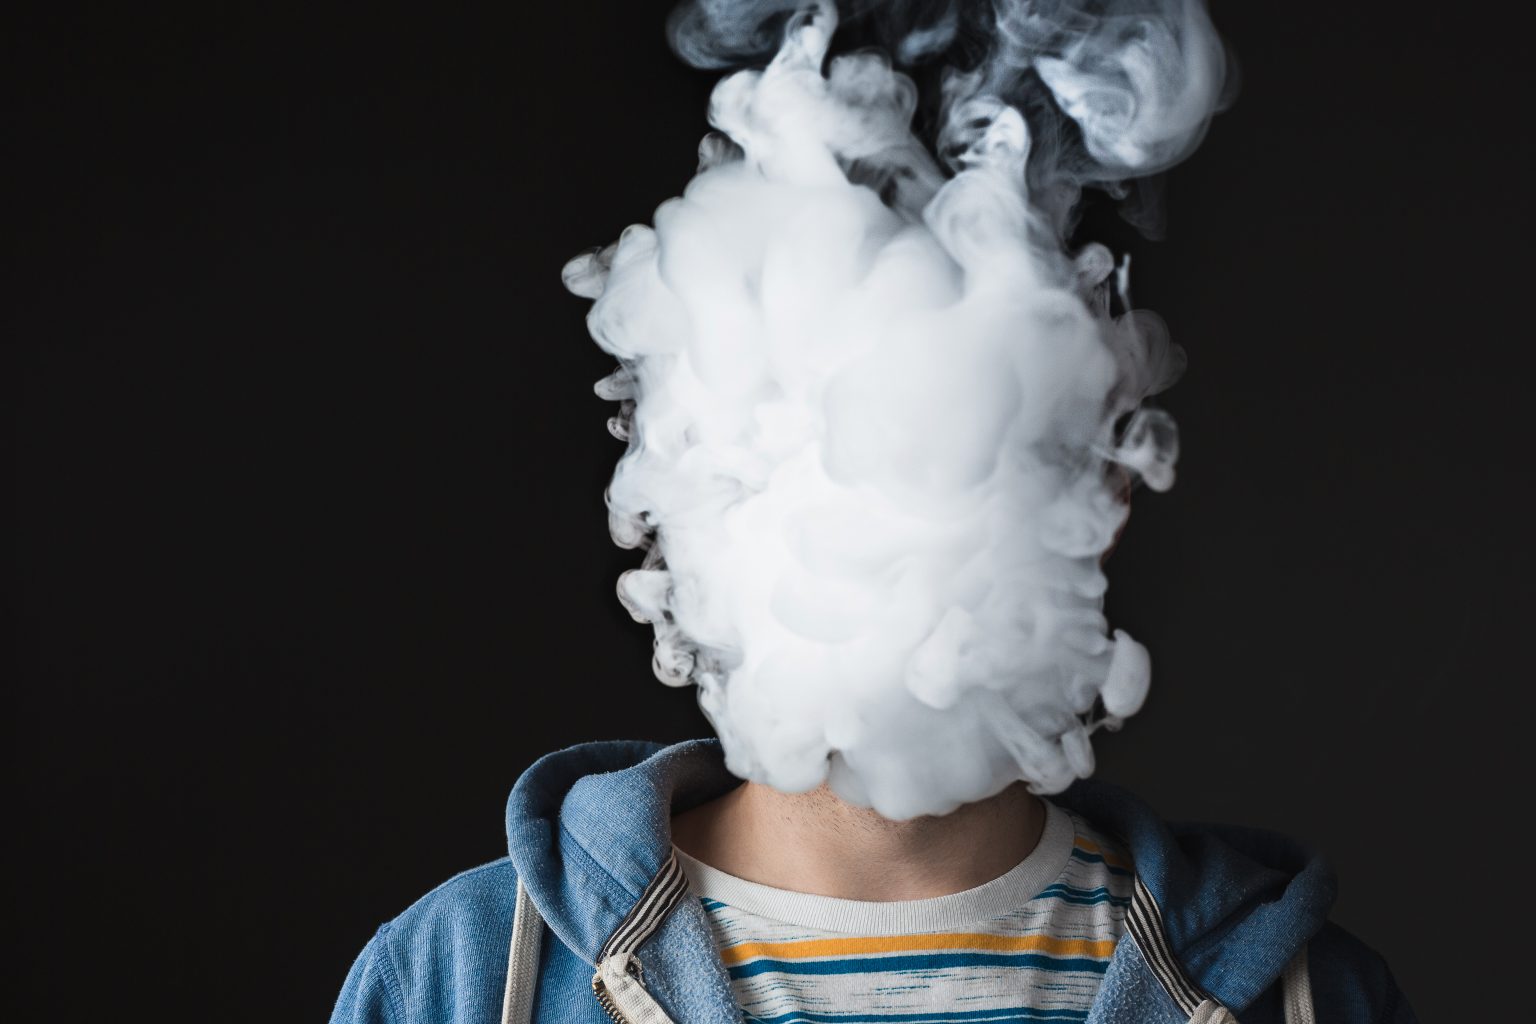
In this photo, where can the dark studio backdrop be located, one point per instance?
(309, 553)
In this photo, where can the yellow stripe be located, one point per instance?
(1101, 949)
(1090, 846)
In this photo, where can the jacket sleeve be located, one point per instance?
(1395, 1009)
(371, 993)
(1352, 983)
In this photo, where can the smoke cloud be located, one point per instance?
(880, 422)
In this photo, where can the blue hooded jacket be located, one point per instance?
(1219, 914)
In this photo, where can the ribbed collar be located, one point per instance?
(1000, 896)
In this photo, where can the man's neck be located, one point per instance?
(815, 843)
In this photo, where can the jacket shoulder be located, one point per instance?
(443, 958)
(469, 902)
(1351, 981)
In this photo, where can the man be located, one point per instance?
(1011, 908)
(880, 423)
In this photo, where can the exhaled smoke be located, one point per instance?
(880, 422)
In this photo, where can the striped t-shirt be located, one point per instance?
(1030, 946)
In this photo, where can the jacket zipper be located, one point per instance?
(606, 1001)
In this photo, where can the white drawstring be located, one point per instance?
(1297, 987)
(522, 961)
(1211, 1012)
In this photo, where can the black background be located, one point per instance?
(310, 553)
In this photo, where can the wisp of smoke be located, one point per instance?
(880, 422)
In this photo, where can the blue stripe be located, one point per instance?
(917, 962)
(1093, 858)
(1084, 897)
(1000, 1015)
(710, 904)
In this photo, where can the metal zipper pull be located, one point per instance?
(619, 986)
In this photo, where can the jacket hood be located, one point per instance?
(1237, 903)
(588, 829)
